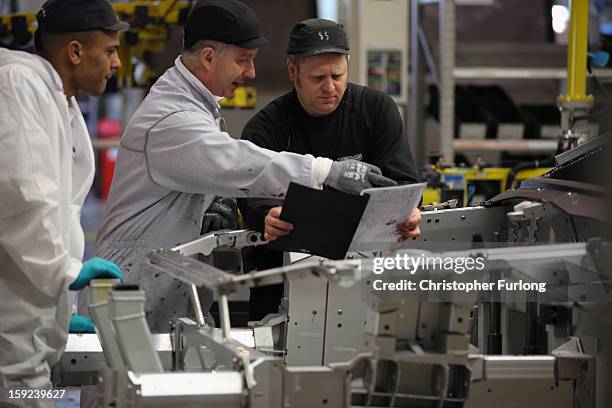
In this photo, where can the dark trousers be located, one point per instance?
(265, 299)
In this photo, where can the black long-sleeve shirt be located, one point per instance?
(365, 126)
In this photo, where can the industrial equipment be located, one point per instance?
(151, 23)
(339, 342)
(472, 185)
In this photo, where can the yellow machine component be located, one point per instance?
(244, 97)
(150, 23)
(431, 196)
(149, 31)
(577, 44)
(463, 182)
(17, 27)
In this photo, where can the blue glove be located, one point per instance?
(95, 268)
(80, 324)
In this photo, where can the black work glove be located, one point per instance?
(222, 214)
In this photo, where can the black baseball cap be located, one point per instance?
(226, 21)
(70, 16)
(317, 36)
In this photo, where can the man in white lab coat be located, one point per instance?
(47, 168)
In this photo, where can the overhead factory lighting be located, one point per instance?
(560, 18)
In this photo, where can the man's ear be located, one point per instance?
(75, 51)
(291, 69)
(207, 57)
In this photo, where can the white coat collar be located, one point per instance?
(56, 80)
(37, 63)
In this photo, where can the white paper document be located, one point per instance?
(386, 207)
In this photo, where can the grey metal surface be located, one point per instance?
(192, 271)
(337, 271)
(454, 229)
(439, 326)
(518, 73)
(224, 315)
(267, 393)
(307, 387)
(100, 314)
(425, 343)
(83, 359)
(211, 349)
(217, 239)
(132, 333)
(520, 393)
(534, 146)
(121, 389)
(582, 149)
(408, 318)
(518, 381)
(269, 333)
(306, 322)
(216, 387)
(446, 39)
(595, 320)
(517, 367)
(188, 270)
(344, 324)
(195, 301)
(416, 107)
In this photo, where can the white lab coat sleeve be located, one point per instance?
(187, 152)
(30, 197)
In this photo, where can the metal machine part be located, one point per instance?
(575, 104)
(535, 378)
(235, 374)
(217, 239)
(342, 343)
(427, 363)
(326, 322)
(84, 358)
(100, 314)
(573, 214)
(132, 334)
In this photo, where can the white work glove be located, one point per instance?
(352, 176)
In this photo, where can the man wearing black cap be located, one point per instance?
(324, 115)
(176, 156)
(47, 171)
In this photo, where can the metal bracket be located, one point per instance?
(223, 238)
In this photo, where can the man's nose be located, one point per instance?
(116, 63)
(328, 85)
(250, 72)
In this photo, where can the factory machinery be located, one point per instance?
(339, 342)
(151, 24)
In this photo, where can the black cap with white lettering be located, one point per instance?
(317, 36)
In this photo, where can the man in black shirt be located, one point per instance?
(327, 116)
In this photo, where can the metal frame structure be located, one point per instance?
(574, 103)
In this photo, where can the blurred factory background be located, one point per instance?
(476, 81)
